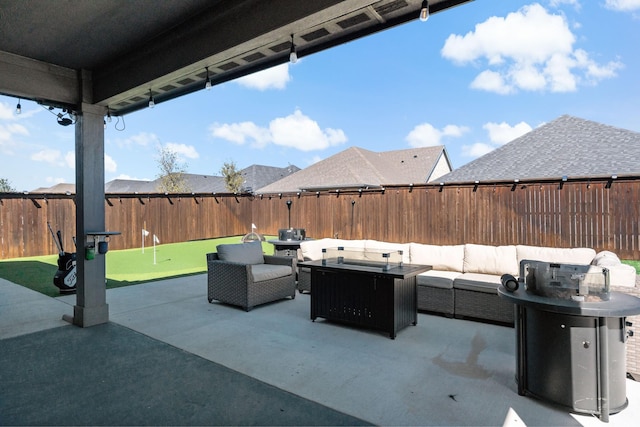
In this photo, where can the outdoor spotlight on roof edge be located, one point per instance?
(66, 121)
(293, 55)
(152, 103)
(424, 11)
(207, 85)
(71, 116)
(18, 107)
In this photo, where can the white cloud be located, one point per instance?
(109, 164)
(314, 159)
(491, 81)
(300, 132)
(17, 129)
(519, 56)
(6, 111)
(239, 133)
(295, 130)
(183, 150)
(476, 150)
(454, 130)
(272, 78)
(623, 5)
(7, 136)
(559, 3)
(54, 180)
(55, 158)
(502, 133)
(50, 156)
(527, 77)
(70, 159)
(499, 134)
(128, 177)
(425, 135)
(143, 139)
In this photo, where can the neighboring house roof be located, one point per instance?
(567, 146)
(359, 168)
(255, 176)
(58, 189)
(200, 183)
(129, 186)
(194, 183)
(258, 176)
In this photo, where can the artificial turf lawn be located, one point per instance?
(131, 266)
(124, 267)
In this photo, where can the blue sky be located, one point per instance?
(471, 78)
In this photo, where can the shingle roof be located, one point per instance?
(567, 146)
(257, 176)
(57, 189)
(195, 183)
(357, 167)
(129, 186)
(204, 183)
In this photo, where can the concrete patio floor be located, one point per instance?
(440, 372)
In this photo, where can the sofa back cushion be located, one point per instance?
(559, 255)
(374, 246)
(444, 258)
(312, 249)
(243, 253)
(606, 259)
(486, 259)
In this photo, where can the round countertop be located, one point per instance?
(619, 304)
(287, 242)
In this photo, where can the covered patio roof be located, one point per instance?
(131, 49)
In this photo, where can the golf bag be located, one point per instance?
(65, 278)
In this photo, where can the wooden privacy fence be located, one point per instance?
(23, 220)
(602, 214)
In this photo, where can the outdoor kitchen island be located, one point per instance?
(375, 289)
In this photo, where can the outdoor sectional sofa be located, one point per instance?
(464, 279)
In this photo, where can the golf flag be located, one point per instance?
(145, 233)
(253, 227)
(155, 240)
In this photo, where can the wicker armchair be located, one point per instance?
(250, 284)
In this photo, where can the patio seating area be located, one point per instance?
(441, 372)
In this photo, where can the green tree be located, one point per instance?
(172, 170)
(233, 179)
(5, 186)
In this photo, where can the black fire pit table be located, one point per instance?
(372, 289)
(571, 352)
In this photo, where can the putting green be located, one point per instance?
(124, 267)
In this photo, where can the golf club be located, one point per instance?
(54, 239)
(60, 240)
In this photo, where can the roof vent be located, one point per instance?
(391, 7)
(354, 20)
